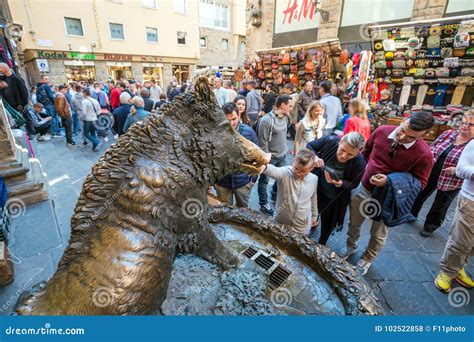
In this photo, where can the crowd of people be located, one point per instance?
(383, 175)
(86, 110)
(340, 160)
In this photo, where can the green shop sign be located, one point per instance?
(65, 55)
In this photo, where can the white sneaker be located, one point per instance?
(116, 136)
(363, 266)
(46, 137)
(106, 139)
(347, 252)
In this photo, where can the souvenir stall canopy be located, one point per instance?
(426, 65)
(296, 64)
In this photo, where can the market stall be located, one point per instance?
(426, 65)
(296, 64)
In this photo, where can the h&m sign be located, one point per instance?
(295, 15)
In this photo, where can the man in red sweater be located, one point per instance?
(389, 149)
(115, 95)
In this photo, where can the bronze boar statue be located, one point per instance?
(144, 202)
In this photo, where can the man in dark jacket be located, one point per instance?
(268, 99)
(236, 184)
(160, 103)
(45, 96)
(14, 91)
(145, 94)
(41, 125)
(173, 92)
(120, 113)
(306, 97)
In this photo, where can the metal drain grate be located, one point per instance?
(277, 274)
(264, 261)
(278, 277)
(250, 252)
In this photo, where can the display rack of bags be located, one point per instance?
(293, 66)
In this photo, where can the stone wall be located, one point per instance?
(137, 71)
(167, 75)
(428, 9)
(214, 54)
(56, 74)
(101, 72)
(260, 37)
(328, 29)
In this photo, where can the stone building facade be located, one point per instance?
(97, 40)
(222, 45)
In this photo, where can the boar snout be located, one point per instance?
(254, 157)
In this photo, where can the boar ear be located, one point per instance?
(203, 91)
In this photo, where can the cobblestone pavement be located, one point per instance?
(402, 276)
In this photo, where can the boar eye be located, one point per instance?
(224, 124)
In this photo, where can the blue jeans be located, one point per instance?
(89, 133)
(75, 123)
(54, 119)
(263, 182)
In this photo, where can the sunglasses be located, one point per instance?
(393, 150)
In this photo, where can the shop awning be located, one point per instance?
(332, 44)
(421, 22)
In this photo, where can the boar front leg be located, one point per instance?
(210, 248)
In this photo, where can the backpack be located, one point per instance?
(257, 124)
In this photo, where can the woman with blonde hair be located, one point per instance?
(310, 127)
(137, 112)
(358, 121)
